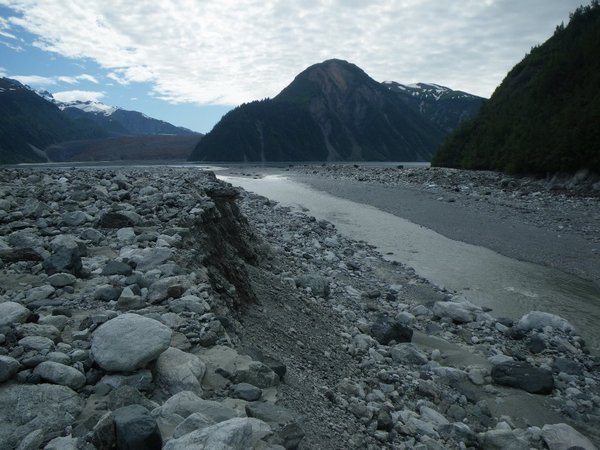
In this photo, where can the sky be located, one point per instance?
(190, 61)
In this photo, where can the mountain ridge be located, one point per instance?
(331, 111)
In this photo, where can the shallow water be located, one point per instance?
(509, 286)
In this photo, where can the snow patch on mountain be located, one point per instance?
(87, 106)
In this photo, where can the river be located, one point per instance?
(509, 286)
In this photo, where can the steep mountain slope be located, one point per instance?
(28, 123)
(331, 111)
(545, 116)
(439, 104)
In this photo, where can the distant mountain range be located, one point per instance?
(116, 121)
(30, 122)
(545, 116)
(333, 111)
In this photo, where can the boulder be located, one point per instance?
(63, 443)
(129, 342)
(64, 259)
(168, 287)
(27, 408)
(59, 280)
(60, 374)
(246, 391)
(113, 267)
(561, 436)
(193, 422)
(407, 354)
(13, 313)
(135, 428)
(233, 434)
(8, 367)
(385, 330)
(318, 285)
(256, 373)
(115, 220)
(537, 320)
(521, 375)
(177, 371)
(186, 403)
(147, 258)
(502, 439)
(459, 312)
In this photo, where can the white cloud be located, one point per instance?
(232, 51)
(37, 80)
(2, 72)
(84, 96)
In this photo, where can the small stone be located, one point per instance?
(59, 280)
(8, 367)
(60, 374)
(135, 428)
(246, 391)
(13, 313)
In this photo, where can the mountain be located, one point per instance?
(332, 111)
(545, 115)
(28, 124)
(441, 105)
(117, 121)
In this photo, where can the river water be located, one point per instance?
(509, 286)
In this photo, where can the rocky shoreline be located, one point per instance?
(161, 308)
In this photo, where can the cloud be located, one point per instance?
(84, 96)
(38, 80)
(2, 72)
(232, 51)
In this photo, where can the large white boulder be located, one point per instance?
(129, 342)
(537, 320)
(178, 371)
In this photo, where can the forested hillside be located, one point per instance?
(545, 116)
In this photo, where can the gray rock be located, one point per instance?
(234, 434)
(36, 329)
(33, 441)
(537, 320)
(193, 422)
(27, 408)
(459, 312)
(385, 330)
(64, 259)
(128, 395)
(148, 258)
(136, 429)
(168, 287)
(177, 371)
(128, 300)
(270, 412)
(141, 380)
(103, 435)
(60, 374)
(8, 367)
(107, 293)
(74, 218)
(561, 436)
(186, 403)
(13, 313)
(503, 440)
(128, 342)
(246, 391)
(521, 375)
(62, 443)
(115, 220)
(318, 285)
(256, 373)
(59, 280)
(190, 303)
(117, 268)
(536, 344)
(38, 343)
(567, 366)
(407, 354)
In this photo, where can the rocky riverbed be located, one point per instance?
(161, 308)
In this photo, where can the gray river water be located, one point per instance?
(509, 286)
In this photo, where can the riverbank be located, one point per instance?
(530, 220)
(163, 297)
